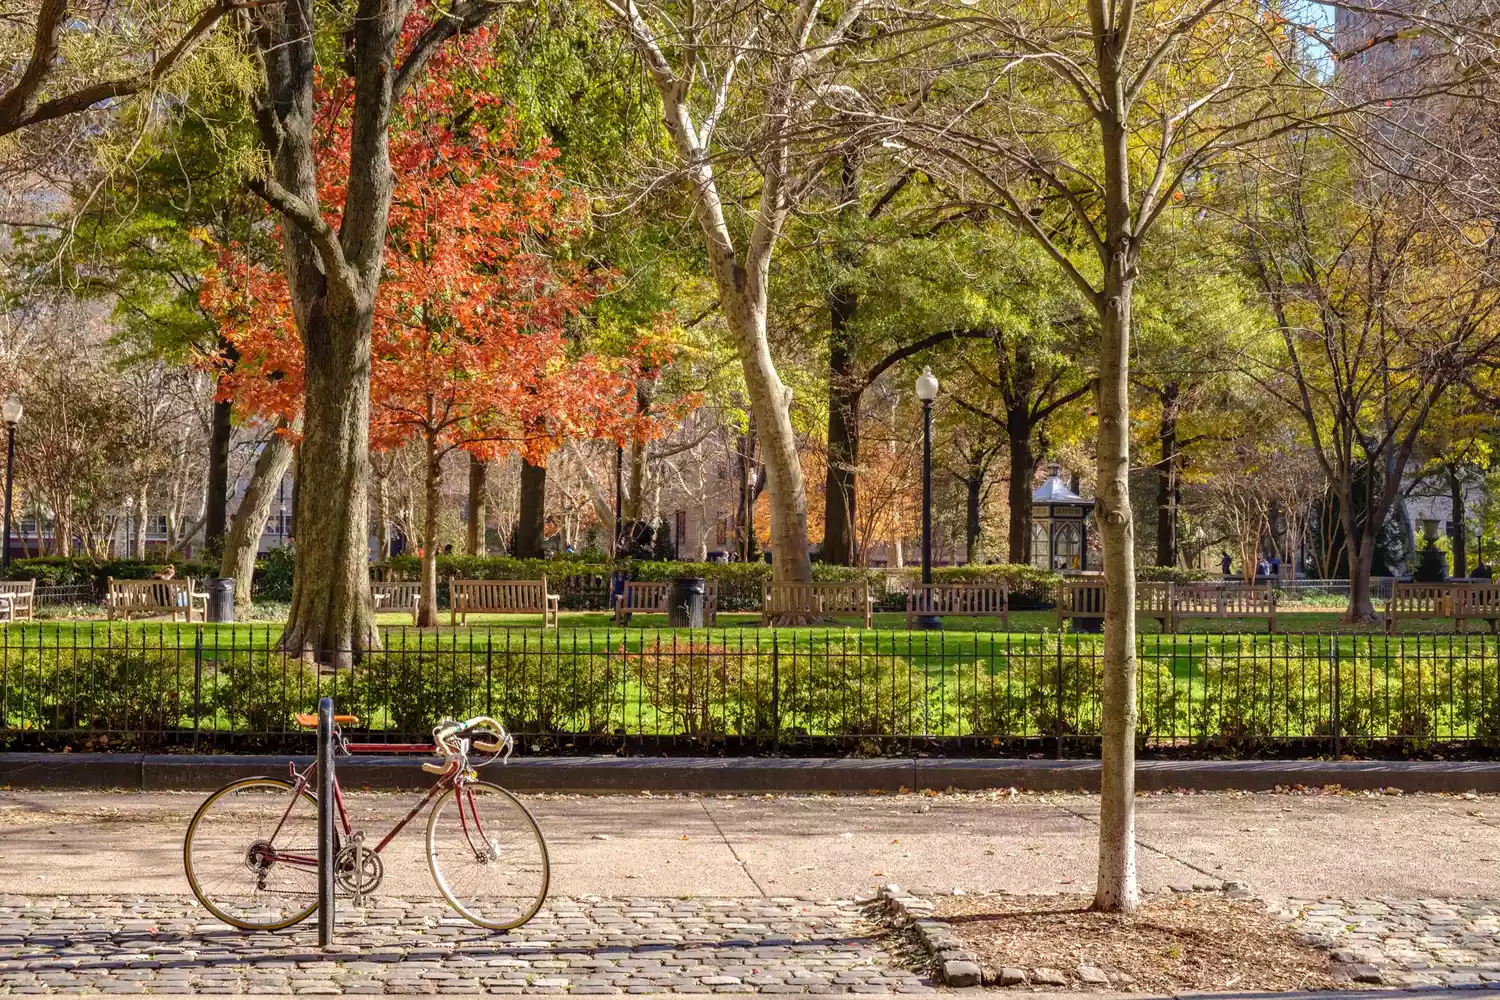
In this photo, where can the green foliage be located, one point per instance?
(60, 571)
(273, 575)
(1208, 694)
(1174, 574)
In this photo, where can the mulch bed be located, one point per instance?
(1173, 942)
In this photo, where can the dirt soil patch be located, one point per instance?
(1172, 943)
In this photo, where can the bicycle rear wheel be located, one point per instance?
(251, 854)
(487, 855)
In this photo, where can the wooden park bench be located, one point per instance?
(155, 597)
(971, 600)
(1475, 600)
(816, 600)
(1417, 600)
(503, 597)
(1227, 599)
(391, 596)
(20, 597)
(654, 596)
(1085, 599)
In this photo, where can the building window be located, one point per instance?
(1068, 547)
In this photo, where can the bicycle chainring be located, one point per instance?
(373, 870)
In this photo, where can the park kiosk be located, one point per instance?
(1059, 526)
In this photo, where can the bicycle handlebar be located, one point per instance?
(453, 741)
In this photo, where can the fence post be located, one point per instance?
(775, 694)
(1334, 709)
(197, 682)
(326, 857)
(1057, 720)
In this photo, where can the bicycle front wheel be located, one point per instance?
(251, 854)
(487, 855)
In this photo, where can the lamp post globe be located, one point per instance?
(11, 411)
(927, 390)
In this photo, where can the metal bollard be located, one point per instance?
(327, 857)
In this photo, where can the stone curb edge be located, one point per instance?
(953, 964)
(153, 772)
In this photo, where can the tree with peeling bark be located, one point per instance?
(1083, 127)
(736, 82)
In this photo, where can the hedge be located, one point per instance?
(1219, 695)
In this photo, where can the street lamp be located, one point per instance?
(927, 390)
(11, 411)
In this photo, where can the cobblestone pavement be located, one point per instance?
(1405, 942)
(144, 944)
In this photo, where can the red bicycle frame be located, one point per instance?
(448, 779)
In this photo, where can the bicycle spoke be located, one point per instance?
(247, 853)
(487, 856)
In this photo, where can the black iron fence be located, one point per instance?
(755, 691)
(68, 594)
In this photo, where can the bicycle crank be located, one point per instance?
(370, 869)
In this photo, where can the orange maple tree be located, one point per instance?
(470, 345)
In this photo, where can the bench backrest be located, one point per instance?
(18, 588)
(150, 593)
(1424, 599)
(1476, 600)
(958, 598)
(644, 595)
(397, 596)
(1080, 598)
(829, 598)
(1223, 599)
(499, 596)
(1077, 597)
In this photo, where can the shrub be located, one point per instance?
(60, 571)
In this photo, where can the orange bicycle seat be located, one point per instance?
(310, 721)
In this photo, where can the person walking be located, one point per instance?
(1224, 564)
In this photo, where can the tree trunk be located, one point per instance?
(844, 389)
(427, 608)
(1361, 526)
(973, 488)
(331, 619)
(531, 522)
(1460, 530)
(216, 503)
(242, 544)
(474, 536)
(139, 549)
(843, 435)
(382, 518)
(1361, 596)
(1166, 480)
(1117, 890)
(1022, 471)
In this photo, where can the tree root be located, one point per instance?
(802, 621)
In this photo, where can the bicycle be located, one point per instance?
(251, 849)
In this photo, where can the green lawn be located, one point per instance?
(581, 627)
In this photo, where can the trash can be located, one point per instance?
(686, 610)
(220, 599)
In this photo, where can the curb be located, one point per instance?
(160, 772)
(953, 964)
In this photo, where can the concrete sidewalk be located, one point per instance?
(1348, 846)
